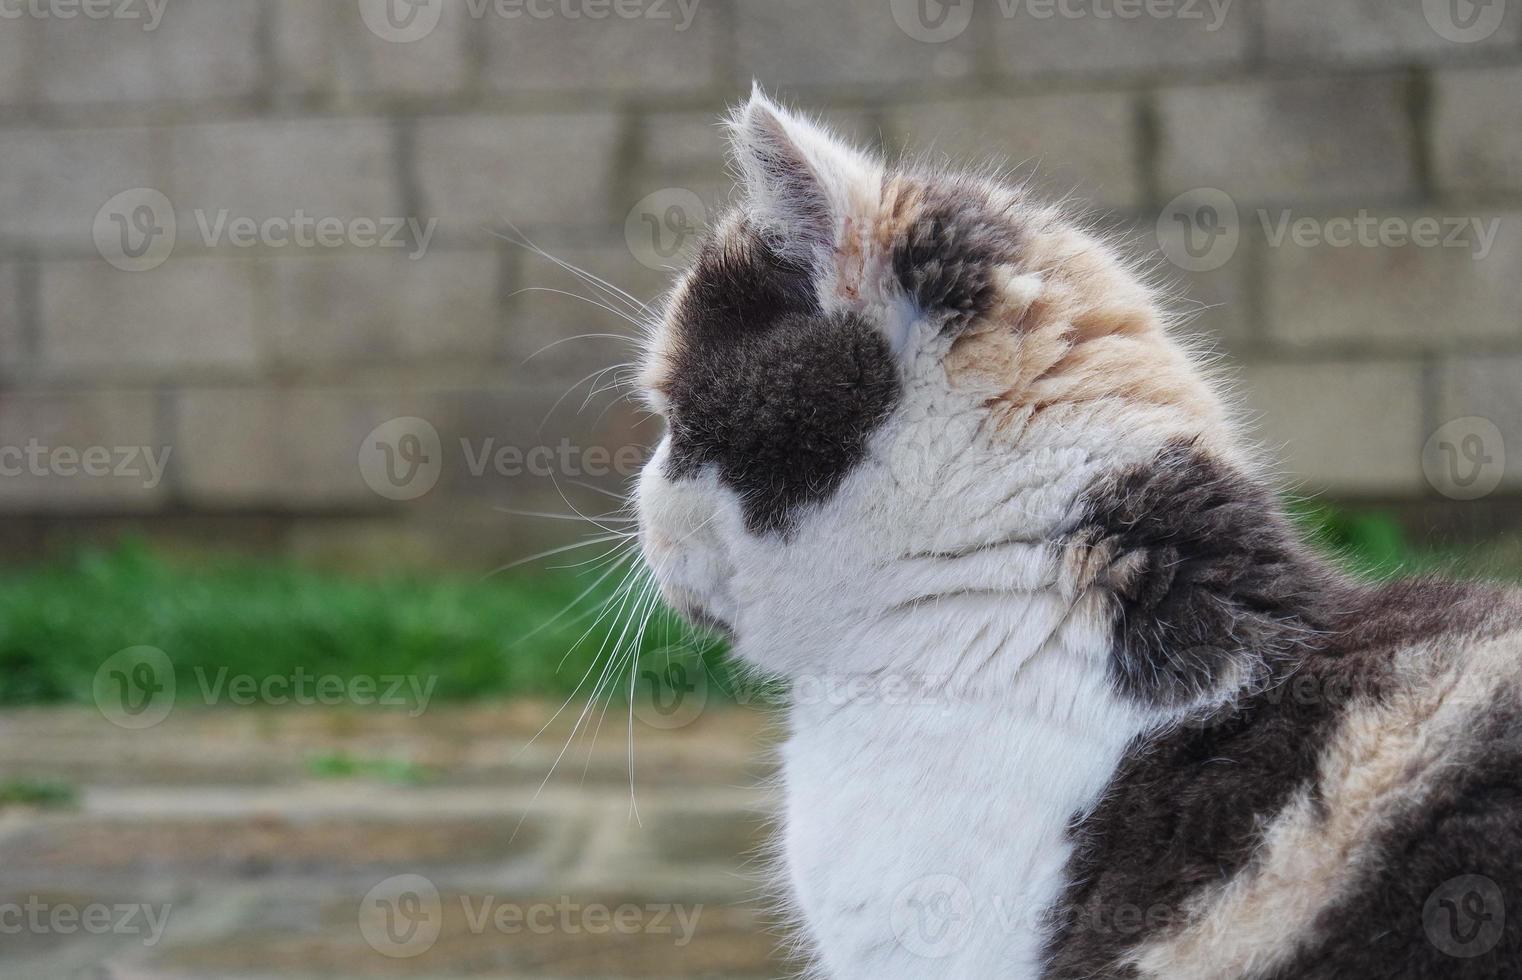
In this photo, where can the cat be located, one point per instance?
(1072, 699)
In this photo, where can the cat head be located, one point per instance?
(868, 365)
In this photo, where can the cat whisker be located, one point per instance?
(593, 280)
(600, 539)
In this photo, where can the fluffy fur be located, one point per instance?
(1059, 662)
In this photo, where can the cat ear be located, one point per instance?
(801, 182)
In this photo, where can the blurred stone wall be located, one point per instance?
(266, 238)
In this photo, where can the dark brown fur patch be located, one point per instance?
(949, 242)
(1443, 895)
(777, 397)
(1187, 808)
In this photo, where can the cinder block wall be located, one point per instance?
(333, 176)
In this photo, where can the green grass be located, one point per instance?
(341, 765)
(465, 637)
(49, 794)
(474, 638)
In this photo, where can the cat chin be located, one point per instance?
(705, 621)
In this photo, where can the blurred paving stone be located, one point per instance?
(1477, 137)
(298, 445)
(188, 315)
(266, 882)
(325, 49)
(201, 49)
(337, 169)
(665, 47)
(461, 747)
(1459, 288)
(678, 835)
(268, 843)
(478, 171)
(1488, 388)
(13, 342)
(797, 44)
(1081, 144)
(398, 304)
(570, 938)
(49, 438)
(1353, 427)
(56, 180)
(1344, 138)
(1368, 31)
(18, 49)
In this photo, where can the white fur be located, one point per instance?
(951, 711)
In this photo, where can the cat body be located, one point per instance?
(1069, 697)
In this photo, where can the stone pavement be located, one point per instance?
(307, 843)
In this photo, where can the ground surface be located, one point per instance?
(297, 843)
